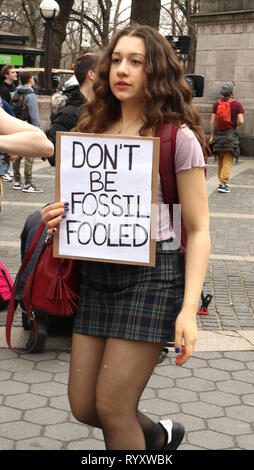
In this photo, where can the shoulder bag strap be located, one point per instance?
(11, 307)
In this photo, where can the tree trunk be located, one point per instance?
(59, 33)
(146, 12)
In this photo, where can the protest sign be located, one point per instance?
(111, 184)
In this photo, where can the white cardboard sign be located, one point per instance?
(111, 184)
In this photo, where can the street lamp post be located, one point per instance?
(49, 10)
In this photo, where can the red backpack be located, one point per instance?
(223, 115)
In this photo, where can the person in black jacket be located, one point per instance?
(8, 77)
(76, 92)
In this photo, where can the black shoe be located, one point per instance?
(39, 345)
(174, 432)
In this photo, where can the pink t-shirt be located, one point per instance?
(188, 154)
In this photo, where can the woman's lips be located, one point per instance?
(122, 85)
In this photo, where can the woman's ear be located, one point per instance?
(91, 74)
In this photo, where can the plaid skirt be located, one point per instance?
(132, 302)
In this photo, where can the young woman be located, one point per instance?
(140, 85)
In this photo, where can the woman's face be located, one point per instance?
(127, 76)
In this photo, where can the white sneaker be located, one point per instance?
(17, 185)
(7, 177)
(30, 188)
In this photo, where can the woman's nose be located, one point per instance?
(122, 68)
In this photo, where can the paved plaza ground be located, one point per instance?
(213, 394)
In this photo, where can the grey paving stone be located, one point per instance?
(172, 371)
(9, 414)
(195, 384)
(210, 440)
(157, 381)
(195, 363)
(45, 416)
(10, 387)
(7, 354)
(246, 442)
(235, 386)
(211, 374)
(14, 365)
(66, 432)
(4, 375)
(148, 393)
(62, 377)
(226, 364)
(190, 422)
(48, 389)
(220, 398)
(229, 426)
(6, 444)
(25, 401)
(46, 356)
(32, 377)
(178, 395)
(248, 399)
(53, 366)
(159, 406)
(19, 430)
(202, 410)
(86, 444)
(61, 403)
(39, 443)
(241, 412)
(244, 376)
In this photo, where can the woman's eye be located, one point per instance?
(136, 62)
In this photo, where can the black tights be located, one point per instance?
(107, 378)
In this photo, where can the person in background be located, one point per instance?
(26, 92)
(36, 86)
(7, 84)
(126, 313)
(226, 142)
(5, 167)
(21, 138)
(65, 113)
(67, 103)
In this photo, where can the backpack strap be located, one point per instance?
(11, 308)
(167, 134)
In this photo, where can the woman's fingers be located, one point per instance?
(53, 214)
(186, 353)
(185, 338)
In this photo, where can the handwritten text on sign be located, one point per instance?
(107, 181)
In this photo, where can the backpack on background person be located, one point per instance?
(223, 115)
(19, 105)
(6, 284)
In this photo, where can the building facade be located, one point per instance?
(225, 52)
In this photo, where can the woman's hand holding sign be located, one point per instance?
(53, 214)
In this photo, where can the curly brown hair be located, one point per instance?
(168, 98)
